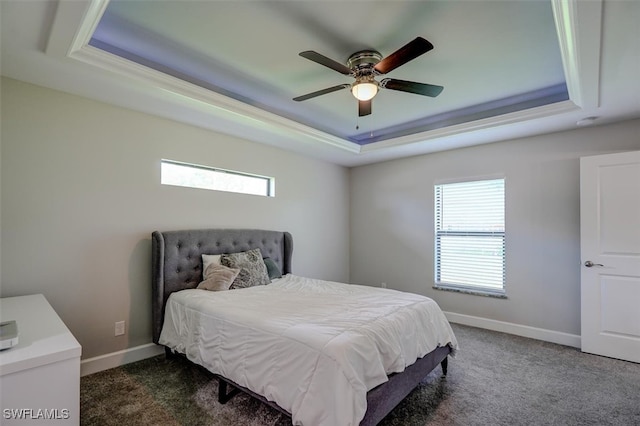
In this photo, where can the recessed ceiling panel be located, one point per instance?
(491, 57)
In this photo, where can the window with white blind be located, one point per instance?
(469, 236)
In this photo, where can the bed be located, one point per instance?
(177, 266)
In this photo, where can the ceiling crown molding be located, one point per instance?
(71, 33)
(76, 20)
(73, 26)
(580, 48)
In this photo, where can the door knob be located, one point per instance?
(589, 264)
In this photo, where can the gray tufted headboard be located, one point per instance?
(177, 262)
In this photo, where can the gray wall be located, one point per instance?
(392, 222)
(81, 195)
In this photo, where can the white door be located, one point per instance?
(610, 253)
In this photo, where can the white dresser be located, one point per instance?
(40, 376)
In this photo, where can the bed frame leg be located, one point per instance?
(168, 354)
(223, 396)
(444, 365)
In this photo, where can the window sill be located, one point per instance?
(472, 291)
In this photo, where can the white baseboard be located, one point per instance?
(517, 329)
(116, 359)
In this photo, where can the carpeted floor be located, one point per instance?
(495, 379)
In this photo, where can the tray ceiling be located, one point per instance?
(510, 69)
(492, 57)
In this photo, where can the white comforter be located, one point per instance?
(314, 347)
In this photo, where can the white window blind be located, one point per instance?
(469, 227)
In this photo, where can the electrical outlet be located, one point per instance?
(383, 285)
(119, 328)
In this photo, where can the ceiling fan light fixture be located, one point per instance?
(365, 65)
(364, 91)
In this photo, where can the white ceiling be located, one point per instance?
(509, 68)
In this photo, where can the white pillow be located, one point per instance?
(209, 259)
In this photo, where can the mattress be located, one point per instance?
(313, 347)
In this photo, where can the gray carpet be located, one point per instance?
(495, 379)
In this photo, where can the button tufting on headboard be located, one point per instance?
(177, 258)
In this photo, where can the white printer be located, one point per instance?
(8, 334)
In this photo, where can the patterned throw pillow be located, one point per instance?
(252, 268)
(218, 278)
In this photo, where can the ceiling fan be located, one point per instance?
(365, 65)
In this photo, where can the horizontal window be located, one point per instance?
(203, 177)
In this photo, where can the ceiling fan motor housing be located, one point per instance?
(363, 61)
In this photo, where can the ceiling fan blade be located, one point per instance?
(327, 62)
(321, 92)
(364, 108)
(406, 53)
(411, 87)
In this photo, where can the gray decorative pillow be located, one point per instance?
(218, 278)
(252, 268)
(272, 268)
